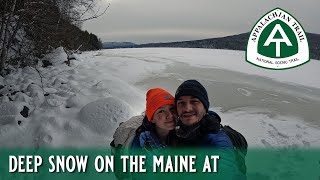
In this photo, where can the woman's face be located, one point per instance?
(165, 117)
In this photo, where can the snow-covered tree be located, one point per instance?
(29, 28)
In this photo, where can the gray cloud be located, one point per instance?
(142, 21)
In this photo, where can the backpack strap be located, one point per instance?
(238, 140)
(241, 146)
(212, 113)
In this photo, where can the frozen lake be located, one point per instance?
(229, 90)
(85, 103)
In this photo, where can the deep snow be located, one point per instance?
(82, 105)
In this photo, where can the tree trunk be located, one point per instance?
(14, 32)
(3, 24)
(6, 26)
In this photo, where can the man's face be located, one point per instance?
(190, 110)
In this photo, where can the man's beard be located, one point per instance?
(187, 132)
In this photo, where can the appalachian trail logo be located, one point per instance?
(277, 41)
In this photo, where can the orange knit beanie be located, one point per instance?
(156, 98)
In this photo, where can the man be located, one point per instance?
(199, 127)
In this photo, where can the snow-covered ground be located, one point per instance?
(83, 104)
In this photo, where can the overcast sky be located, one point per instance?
(143, 21)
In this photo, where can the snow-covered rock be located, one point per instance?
(26, 81)
(22, 97)
(33, 89)
(74, 56)
(104, 115)
(76, 101)
(57, 56)
(54, 100)
(50, 90)
(28, 70)
(10, 113)
(4, 99)
(8, 120)
(36, 93)
(10, 108)
(8, 89)
(59, 81)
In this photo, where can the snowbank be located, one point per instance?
(103, 116)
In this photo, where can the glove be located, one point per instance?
(209, 124)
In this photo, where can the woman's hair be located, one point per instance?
(145, 126)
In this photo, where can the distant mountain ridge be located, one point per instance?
(234, 42)
(113, 45)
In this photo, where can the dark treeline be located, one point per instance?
(31, 28)
(236, 42)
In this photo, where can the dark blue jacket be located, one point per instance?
(216, 139)
(147, 138)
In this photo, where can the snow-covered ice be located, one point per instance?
(82, 105)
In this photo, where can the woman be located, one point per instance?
(155, 132)
(157, 129)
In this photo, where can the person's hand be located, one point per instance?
(209, 124)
